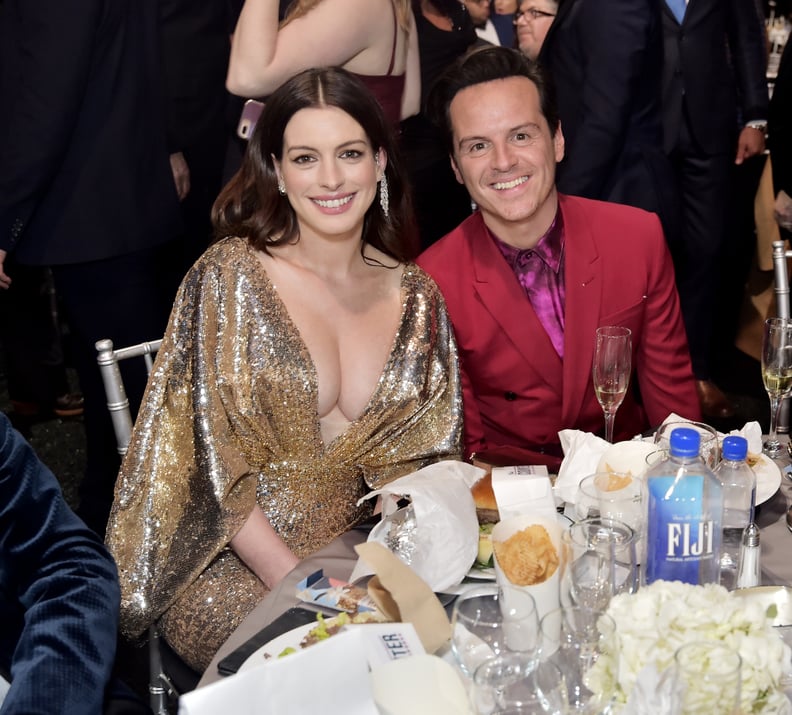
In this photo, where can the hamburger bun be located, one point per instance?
(484, 498)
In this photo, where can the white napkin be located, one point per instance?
(582, 452)
(310, 680)
(752, 431)
(445, 536)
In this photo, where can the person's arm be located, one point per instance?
(41, 106)
(260, 547)
(264, 56)
(663, 363)
(748, 53)
(411, 99)
(5, 279)
(65, 583)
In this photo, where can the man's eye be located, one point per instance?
(476, 147)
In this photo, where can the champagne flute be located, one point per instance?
(611, 371)
(776, 374)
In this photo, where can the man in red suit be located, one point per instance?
(530, 276)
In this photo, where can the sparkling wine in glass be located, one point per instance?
(776, 373)
(611, 371)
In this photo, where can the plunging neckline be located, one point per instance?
(270, 286)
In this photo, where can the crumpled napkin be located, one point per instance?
(440, 526)
(655, 693)
(582, 452)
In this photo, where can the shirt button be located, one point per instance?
(510, 396)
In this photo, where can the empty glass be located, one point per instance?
(486, 622)
(513, 682)
(572, 638)
(710, 446)
(613, 495)
(599, 562)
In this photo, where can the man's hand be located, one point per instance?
(181, 174)
(750, 143)
(5, 281)
(783, 210)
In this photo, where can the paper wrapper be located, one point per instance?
(443, 542)
(547, 594)
(403, 596)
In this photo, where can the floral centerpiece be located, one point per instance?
(654, 622)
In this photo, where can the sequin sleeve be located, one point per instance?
(184, 488)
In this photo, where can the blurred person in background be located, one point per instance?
(531, 23)
(374, 39)
(714, 109)
(445, 33)
(780, 135)
(502, 17)
(479, 11)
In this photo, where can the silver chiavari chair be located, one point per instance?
(781, 286)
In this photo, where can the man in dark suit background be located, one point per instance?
(86, 186)
(605, 59)
(714, 114)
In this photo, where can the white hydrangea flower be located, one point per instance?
(654, 622)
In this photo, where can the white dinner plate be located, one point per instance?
(291, 639)
(481, 573)
(768, 478)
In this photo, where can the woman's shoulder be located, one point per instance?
(419, 282)
(230, 257)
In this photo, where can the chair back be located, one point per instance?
(117, 401)
(781, 278)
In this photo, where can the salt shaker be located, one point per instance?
(748, 574)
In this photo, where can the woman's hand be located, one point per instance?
(265, 553)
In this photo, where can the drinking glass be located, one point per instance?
(613, 495)
(573, 638)
(709, 448)
(599, 562)
(486, 622)
(707, 678)
(611, 370)
(512, 682)
(776, 374)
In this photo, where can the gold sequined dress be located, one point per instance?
(230, 419)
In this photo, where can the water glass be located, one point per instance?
(710, 446)
(572, 638)
(707, 679)
(486, 622)
(613, 495)
(514, 682)
(599, 562)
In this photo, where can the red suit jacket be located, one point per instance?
(518, 393)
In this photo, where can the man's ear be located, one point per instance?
(455, 169)
(558, 143)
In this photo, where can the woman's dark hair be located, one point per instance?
(486, 65)
(250, 205)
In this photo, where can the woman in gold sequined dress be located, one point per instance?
(306, 362)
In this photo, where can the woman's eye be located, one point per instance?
(303, 159)
(352, 154)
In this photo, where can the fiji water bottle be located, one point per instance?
(685, 511)
(739, 490)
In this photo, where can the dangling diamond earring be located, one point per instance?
(281, 186)
(383, 197)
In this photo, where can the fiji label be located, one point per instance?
(682, 538)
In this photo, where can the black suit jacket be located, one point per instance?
(780, 126)
(716, 60)
(84, 170)
(605, 58)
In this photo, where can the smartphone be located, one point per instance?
(288, 620)
(247, 120)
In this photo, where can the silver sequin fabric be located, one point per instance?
(229, 420)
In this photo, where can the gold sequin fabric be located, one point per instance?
(230, 420)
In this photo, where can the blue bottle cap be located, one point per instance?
(735, 447)
(685, 442)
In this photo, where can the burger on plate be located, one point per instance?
(487, 513)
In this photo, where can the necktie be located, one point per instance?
(677, 7)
